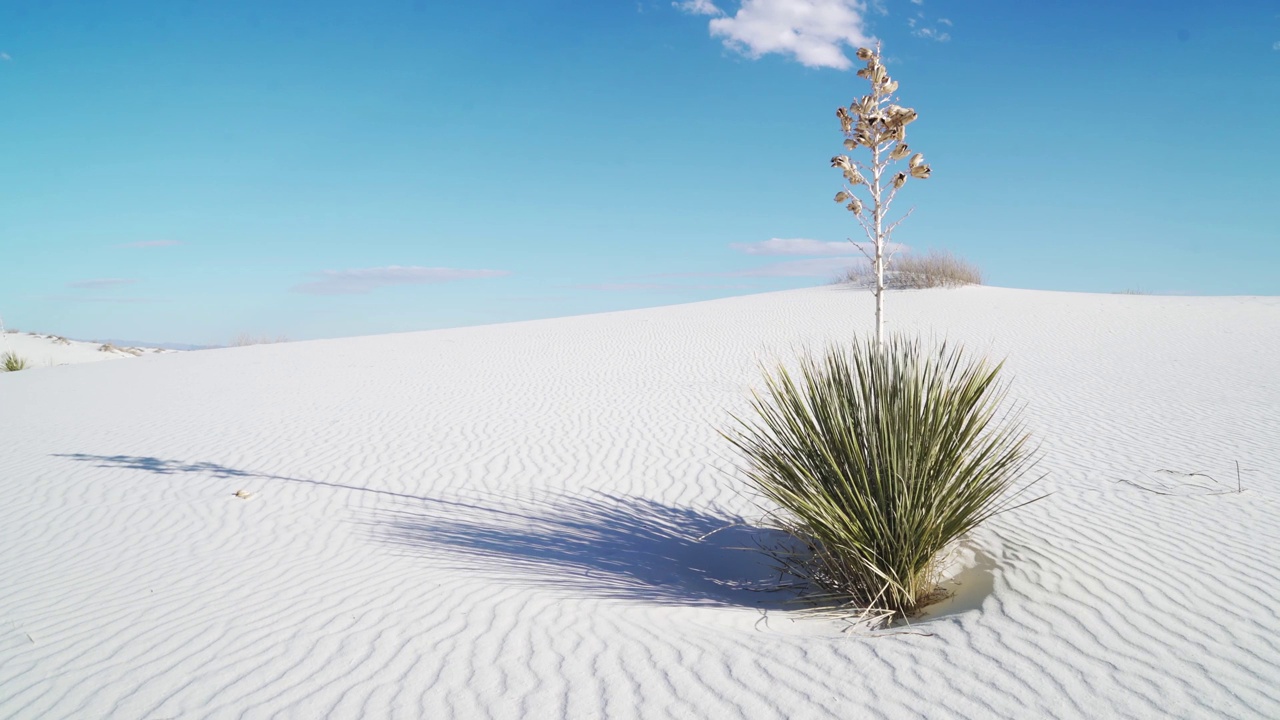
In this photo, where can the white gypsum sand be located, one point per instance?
(503, 521)
(42, 351)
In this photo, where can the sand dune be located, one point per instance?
(507, 521)
(43, 351)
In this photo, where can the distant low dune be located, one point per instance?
(40, 351)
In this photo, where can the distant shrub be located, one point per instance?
(112, 347)
(245, 339)
(11, 362)
(880, 458)
(918, 272)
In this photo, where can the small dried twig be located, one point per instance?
(1210, 489)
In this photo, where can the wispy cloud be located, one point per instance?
(150, 244)
(920, 27)
(794, 246)
(824, 267)
(820, 267)
(100, 283)
(805, 246)
(929, 33)
(5, 56)
(97, 299)
(813, 32)
(1275, 45)
(359, 281)
(654, 287)
(698, 7)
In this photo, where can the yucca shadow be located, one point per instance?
(592, 545)
(604, 546)
(160, 466)
(157, 465)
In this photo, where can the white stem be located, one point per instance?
(877, 215)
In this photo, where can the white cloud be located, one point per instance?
(359, 281)
(100, 283)
(932, 34)
(654, 287)
(813, 267)
(150, 244)
(805, 246)
(5, 56)
(1275, 45)
(98, 299)
(814, 32)
(698, 7)
(794, 246)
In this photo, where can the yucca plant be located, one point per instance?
(880, 457)
(11, 362)
(875, 122)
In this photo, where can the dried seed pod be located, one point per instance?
(865, 53)
(867, 105)
(916, 160)
(846, 122)
(899, 180)
(850, 144)
(864, 73)
(899, 151)
(891, 87)
(899, 133)
(841, 161)
(842, 196)
(854, 206)
(921, 172)
(853, 178)
(903, 116)
(878, 75)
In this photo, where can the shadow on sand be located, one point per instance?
(178, 467)
(605, 546)
(594, 545)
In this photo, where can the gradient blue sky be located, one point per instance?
(184, 171)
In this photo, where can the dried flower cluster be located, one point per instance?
(876, 123)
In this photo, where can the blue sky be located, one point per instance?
(185, 171)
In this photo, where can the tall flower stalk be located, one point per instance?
(875, 122)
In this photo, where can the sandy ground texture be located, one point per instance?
(45, 351)
(507, 521)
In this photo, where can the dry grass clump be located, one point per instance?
(918, 272)
(113, 347)
(881, 457)
(11, 362)
(246, 339)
